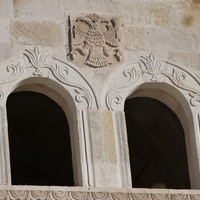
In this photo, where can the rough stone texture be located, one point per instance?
(9, 50)
(6, 9)
(49, 10)
(5, 32)
(40, 33)
(161, 39)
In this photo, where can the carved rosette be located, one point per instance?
(95, 41)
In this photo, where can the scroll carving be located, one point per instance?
(114, 95)
(77, 195)
(38, 60)
(96, 39)
(82, 94)
(81, 90)
(159, 71)
(175, 74)
(15, 71)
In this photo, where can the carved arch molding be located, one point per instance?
(120, 84)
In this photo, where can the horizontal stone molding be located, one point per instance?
(78, 193)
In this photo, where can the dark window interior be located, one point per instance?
(40, 150)
(156, 145)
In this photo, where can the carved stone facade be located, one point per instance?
(89, 62)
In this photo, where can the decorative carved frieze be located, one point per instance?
(95, 41)
(76, 194)
(37, 59)
(156, 70)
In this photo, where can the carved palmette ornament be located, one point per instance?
(94, 41)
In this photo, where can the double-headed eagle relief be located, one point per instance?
(94, 40)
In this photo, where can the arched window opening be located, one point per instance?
(40, 150)
(156, 145)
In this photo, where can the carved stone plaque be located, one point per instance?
(94, 41)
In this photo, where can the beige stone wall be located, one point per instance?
(168, 27)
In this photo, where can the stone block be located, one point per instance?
(37, 32)
(154, 39)
(187, 17)
(109, 137)
(186, 59)
(136, 38)
(176, 39)
(93, 6)
(35, 9)
(146, 14)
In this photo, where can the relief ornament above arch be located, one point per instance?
(149, 69)
(121, 83)
(36, 61)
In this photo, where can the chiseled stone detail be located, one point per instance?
(79, 194)
(96, 39)
(68, 75)
(37, 59)
(152, 69)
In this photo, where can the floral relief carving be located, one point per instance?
(153, 66)
(157, 69)
(178, 78)
(77, 195)
(114, 95)
(82, 92)
(175, 74)
(37, 59)
(96, 39)
(16, 71)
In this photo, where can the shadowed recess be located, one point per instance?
(156, 145)
(40, 150)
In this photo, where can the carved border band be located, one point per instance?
(99, 195)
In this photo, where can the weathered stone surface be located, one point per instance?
(35, 32)
(115, 6)
(6, 9)
(161, 39)
(4, 32)
(9, 50)
(39, 10)
(186, 59)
